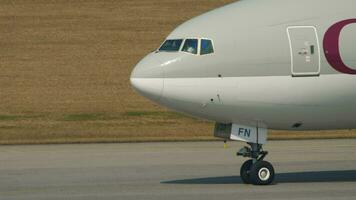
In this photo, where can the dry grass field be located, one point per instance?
(65, 67)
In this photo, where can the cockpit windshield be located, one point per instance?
(191, 46)
(171, 45)
(206, 47)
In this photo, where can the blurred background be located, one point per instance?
(65, 68)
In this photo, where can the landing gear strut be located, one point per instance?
(255, 170)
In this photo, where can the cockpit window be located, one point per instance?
(171, 45)
(191, 46)
(206, 47)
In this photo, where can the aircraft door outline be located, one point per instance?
(304, 50)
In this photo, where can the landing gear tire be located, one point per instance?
(262, 173)
(245, 171)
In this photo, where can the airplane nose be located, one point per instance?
(147, 78)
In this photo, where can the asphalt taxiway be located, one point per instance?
(314, 169)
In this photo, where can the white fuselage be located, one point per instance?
(276, 63)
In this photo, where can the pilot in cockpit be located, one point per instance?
(190, 46)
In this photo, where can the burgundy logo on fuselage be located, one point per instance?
(332, 47)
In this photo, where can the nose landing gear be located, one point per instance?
(255, 170)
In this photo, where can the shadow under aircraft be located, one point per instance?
(292, 177)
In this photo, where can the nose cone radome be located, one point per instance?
(147, 78)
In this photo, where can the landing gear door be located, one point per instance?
(245, 133)
(305, 51)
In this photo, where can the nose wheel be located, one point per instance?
(255, 170)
